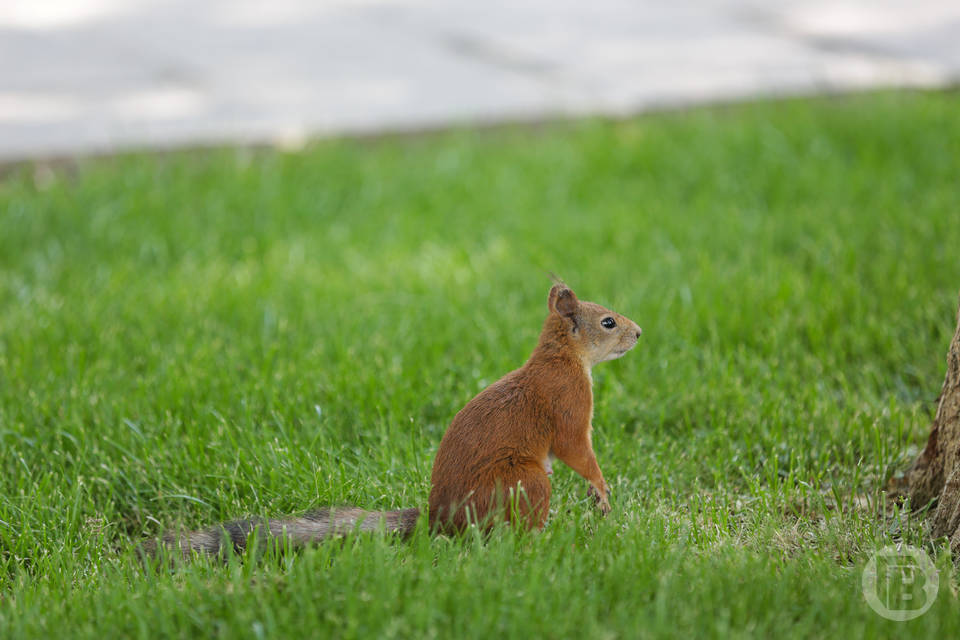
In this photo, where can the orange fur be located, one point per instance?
(499, 445)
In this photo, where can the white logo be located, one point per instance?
(900, 583)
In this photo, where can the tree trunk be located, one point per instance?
(936, 472)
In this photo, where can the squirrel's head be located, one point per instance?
(597, 333)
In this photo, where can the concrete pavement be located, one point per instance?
(98, 75)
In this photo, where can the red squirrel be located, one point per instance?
(495, 460)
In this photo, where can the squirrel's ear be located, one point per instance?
(562, 300)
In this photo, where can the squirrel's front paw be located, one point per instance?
(602, 502)
(604, 505)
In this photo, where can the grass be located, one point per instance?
(194, 337)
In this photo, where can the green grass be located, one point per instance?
(193, 337)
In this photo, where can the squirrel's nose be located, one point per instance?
(639, 331)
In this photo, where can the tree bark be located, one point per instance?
(935, 475)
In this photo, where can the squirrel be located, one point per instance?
(495, 459)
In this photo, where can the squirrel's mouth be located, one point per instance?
(617, 353)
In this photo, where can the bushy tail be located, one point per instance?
(311, 527)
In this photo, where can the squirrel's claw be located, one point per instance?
(602, 502)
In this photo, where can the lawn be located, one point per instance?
(196, 336)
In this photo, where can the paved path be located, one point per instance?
(95, 75)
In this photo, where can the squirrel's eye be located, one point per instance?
(608, 322)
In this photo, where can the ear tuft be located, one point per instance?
(562, 300)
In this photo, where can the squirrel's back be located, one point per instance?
(501, 431)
